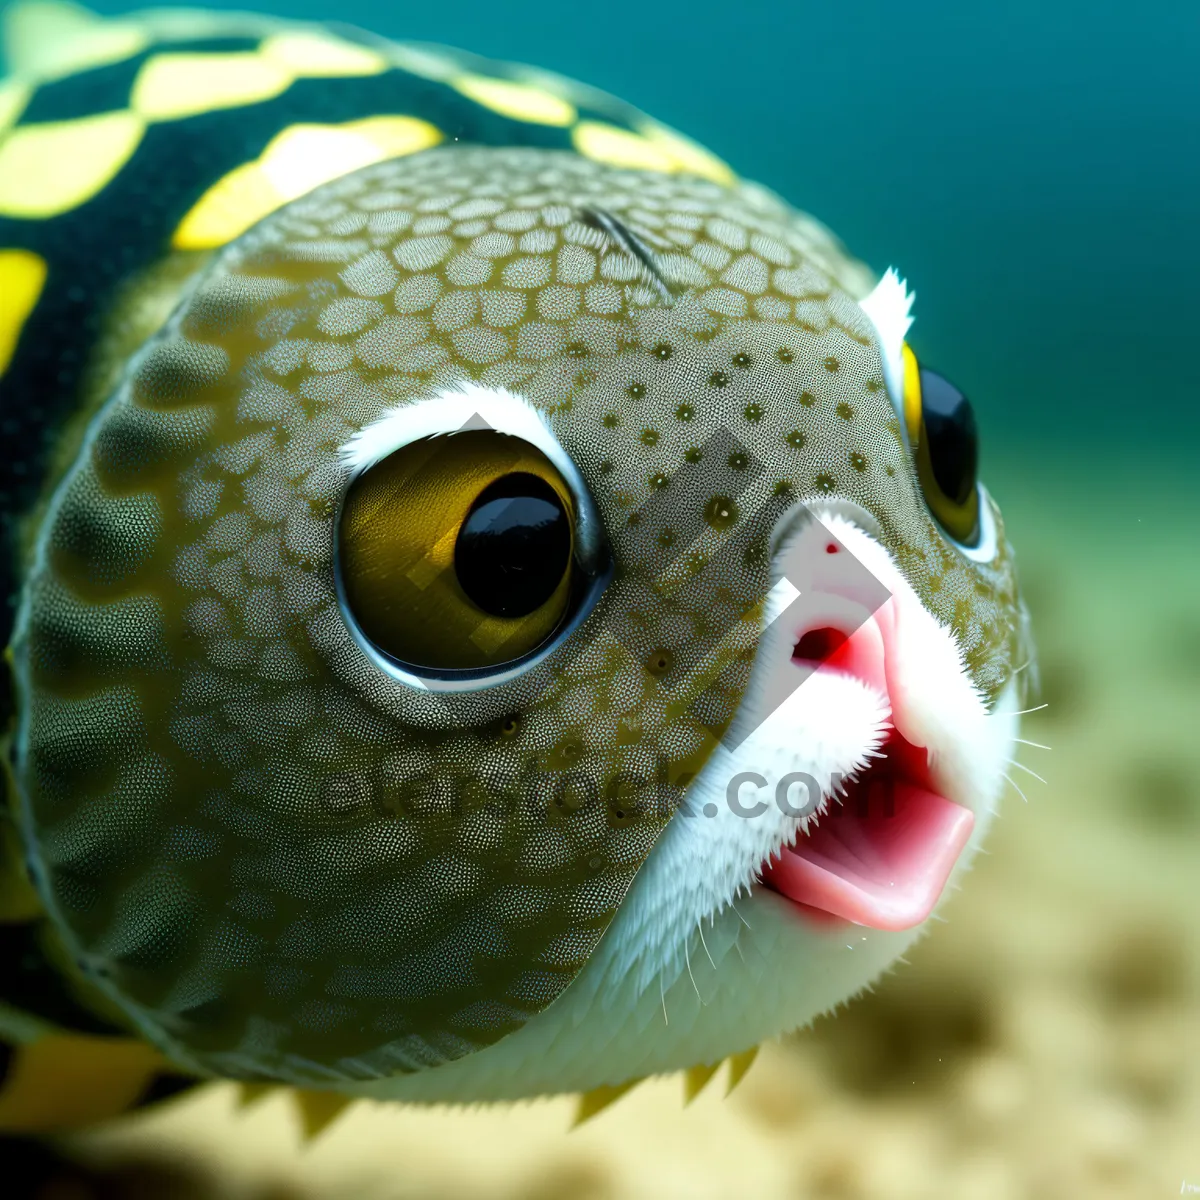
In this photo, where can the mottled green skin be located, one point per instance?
(250, 834)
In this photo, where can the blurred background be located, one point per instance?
(1034, 170)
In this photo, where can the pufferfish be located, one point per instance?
(498, 606)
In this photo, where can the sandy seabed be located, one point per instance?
(1043, 1042)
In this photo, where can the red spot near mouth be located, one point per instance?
(819, 645)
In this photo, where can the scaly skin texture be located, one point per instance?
(280, 862)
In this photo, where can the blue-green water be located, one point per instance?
(1032, 167)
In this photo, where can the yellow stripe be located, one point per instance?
(174, 85)
(51, 167)
(655, 149)
(912, 394)
(50, 39)
(689, 156)
(294, 162)
(170, 86)
(22, 277)
(227, 209)
(14, 95)
(316, 56)
(619, 148)
(64, 1081)
(520, 101)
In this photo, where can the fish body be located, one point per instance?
(498, 606)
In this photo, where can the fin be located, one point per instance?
(46, 39)
(598, 1099)
(252, 1093)
(695, 1079)
(318, 1110)
(739, 1064)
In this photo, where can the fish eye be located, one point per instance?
(513, 549)
(945, 439)
(459, 556)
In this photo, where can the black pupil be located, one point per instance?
(514, 546)
(951, 436)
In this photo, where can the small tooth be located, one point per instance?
(739, 1064)
(318, 1110)
(696, 1078)
(251, 1093)
(598, 1099)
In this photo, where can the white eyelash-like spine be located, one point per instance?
(468, 405)
(889, 308)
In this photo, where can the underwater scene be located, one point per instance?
(957, 320)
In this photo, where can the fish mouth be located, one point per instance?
(882, 852)
(880, 847)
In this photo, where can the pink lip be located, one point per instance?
(882, 856)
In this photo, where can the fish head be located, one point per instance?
(501, 571)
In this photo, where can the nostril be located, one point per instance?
(817, 645)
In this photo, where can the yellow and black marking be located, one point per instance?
(128, 140)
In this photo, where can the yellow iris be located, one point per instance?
(959, 518)
(398, 535)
